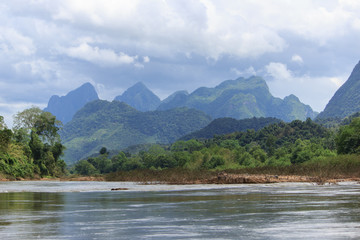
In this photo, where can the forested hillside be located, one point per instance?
(346, 100)
(223, 126)
(279, 144)
(116, 125)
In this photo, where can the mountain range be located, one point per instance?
(241, 98)
(138, 116)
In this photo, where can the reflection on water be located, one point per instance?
(274, 211)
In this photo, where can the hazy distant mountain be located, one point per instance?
(241, 98)
(116, 125)
(346, 99)
(223, 126)
(140, 97)
(174, 100)
(65, 107)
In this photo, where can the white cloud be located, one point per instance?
(13, 43)
(39, 68)
(297, 59)
(210, 28)
(170, 27)
(250, 71)
(279, 71)
(107, 93)
(315, 91)
(146, 59)
(338, 82)
(103, 57)
(139, 65)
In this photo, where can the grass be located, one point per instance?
(338, 167)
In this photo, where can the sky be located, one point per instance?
(303, 47)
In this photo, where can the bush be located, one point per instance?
(348, 138)
(83, 167)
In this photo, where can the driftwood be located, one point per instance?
(119, 189)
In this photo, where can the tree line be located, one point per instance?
(279, 144)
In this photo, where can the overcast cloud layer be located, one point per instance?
(307, 48)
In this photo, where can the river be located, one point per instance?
(89, 210)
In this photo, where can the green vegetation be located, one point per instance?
(298, 147)
(320, 170)
(33, 147)
(239, 99)
(348, 139)
(116, 125)
(223, 126)
(346, 99)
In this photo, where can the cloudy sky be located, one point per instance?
(306, 47)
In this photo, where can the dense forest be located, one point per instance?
(278, 145)
(221, 126)
(33, 147)
(117, 125)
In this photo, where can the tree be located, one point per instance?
(47, 127)
(42, 123)
(348, 138)
(5, 139)
(27, 118)
(103, 150)
(118, 161)
(38, 130)
(2, 123)
(83, 167)
(230, 144)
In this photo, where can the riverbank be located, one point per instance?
(224, 178)
(220, 178)
(330, 170)
(64, 178)
(181, 176)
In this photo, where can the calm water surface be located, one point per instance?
(89, 210)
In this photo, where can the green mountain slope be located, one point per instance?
(241, 98)
(223, 126)
(140, 98)
(346, 99)
(116, 125)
